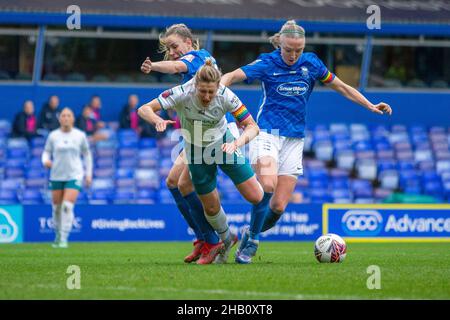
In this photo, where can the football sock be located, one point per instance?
(183, 207)
(67, 217)
(258, 215)
(56, 214)
(220, 224)
(270, 220)
(207, 231)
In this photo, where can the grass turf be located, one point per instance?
(282, 270)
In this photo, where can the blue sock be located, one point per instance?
(209, 235)
(270, 220)
(185, 210)
(258, 215)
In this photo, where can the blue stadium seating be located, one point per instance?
(349, 160)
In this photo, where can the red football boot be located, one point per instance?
(196, 253)
(210, 252)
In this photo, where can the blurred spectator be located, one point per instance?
(96, 105)
(86, 122)
(49, 115)
(128, 118)
(25, 122)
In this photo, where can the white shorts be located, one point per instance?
(287, 152)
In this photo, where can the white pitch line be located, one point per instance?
(279, 295)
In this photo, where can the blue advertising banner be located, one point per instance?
(11, 230)
(402, 222)
(161, 223)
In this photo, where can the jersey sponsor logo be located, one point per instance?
(290, 89)
(167, 93)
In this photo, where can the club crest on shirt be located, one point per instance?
(305, 71)
(167, 93)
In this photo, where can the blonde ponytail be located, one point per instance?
(208, 73)
(290, 29)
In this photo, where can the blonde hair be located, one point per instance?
(208, 73)
(181, 30)
(290, 29)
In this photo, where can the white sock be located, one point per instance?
(67, 217)
(220, 224)
(56, 214)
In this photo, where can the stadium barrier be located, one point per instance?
(354, 222)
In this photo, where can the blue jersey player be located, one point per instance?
(288, 76)
(182, 55)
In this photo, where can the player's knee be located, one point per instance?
(211, 209)
(185, 186)
(278, 206)
(171, 182)
(268, 184)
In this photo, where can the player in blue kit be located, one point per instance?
(182, 55)
(288, 76)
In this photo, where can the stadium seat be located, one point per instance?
(32, 196)
(11, 184)
(52, 77)
(8, 197)
(100, 196)
(36, 183)
(123, 196)
(146, 196)
(76, 77)
(104, 172)
(125, 183)
(147, 143)
(100, 78)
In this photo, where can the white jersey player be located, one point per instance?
(62, 154)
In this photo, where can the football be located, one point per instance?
(330, 248)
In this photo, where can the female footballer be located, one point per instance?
(288, 76)
(62, 155)
(201, 105)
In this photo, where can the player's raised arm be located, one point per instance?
(232, 77)
(171, 67)
(354, 95)
(147, 112)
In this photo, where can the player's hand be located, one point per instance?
(161, 126)
(48, 164)
(229, 148)
(146, 66)
(88, 181)
(381, 108)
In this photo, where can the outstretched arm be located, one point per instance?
(251, 130)
(356, 96)
(232, 77)
(147, 112)
(171, 67)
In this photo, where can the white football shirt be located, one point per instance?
(66, 149)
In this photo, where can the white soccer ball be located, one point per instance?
(330, 248)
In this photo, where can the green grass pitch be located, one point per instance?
(282, 270)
